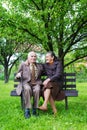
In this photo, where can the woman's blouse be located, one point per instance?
(53, 71)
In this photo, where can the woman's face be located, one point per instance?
(49, 58)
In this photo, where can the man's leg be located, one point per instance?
(36, 97)
(27, 98)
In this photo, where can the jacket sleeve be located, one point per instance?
(58, 72)
(20, 70)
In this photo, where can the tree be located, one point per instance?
(9, 55)
(14, 43)
(58, 25)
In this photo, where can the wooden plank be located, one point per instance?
(13, 93)
(69, 74)
(15, 85)
(71, 93)
(69, 86)
(69, 80)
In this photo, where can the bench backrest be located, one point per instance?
(69, 81)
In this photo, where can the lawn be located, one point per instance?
(11, 115)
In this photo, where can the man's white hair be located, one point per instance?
(31, 52)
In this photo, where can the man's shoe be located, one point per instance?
(35, 112)
(27, 113)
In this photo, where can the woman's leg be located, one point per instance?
(46, 99)
(52, 103)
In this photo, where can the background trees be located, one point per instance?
(9, 55)
(55, 25)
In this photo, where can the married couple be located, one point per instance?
(31, 73)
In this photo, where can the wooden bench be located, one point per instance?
(69, 88)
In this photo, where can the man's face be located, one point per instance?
(32, 57)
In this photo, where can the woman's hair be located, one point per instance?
(53, 55)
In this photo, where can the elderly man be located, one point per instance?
(30, 71)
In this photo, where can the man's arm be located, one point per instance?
(19, 73)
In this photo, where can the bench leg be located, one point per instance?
(22, 102)
(66, 102)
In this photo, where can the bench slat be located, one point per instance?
(69, 74)
(13, 93)
(15, 85)
(69, 80)
(69, 86)
(71, 93)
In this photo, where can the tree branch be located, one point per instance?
(33, 1)
(74, 60)
(73, 36)
(81, 48)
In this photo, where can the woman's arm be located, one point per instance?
(58, 72)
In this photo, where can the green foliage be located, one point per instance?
(81, 76)
(12, 117)
(1, 73)
(59, 26)
(81, 72)
(80, 69)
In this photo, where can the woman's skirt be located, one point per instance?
(56, 92)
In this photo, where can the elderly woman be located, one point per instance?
(53, 83)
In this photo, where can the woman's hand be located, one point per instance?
(46, 82)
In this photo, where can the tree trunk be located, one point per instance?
(60, 55)
(6, 74)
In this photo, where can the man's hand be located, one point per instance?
(18, 76)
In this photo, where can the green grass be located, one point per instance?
(12, 118)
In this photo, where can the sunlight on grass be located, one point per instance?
(12, 118)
